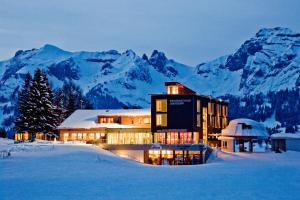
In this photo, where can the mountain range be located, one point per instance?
(267, 62)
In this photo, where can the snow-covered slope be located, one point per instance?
(36, 171)
(269, 61)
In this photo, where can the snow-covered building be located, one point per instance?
(173, 131)
(285, 141)
(117, 126)
(243, 135)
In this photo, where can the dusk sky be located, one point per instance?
(189, 31)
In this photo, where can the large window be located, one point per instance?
(161, 105)
(173, 90)
(160, 138)
(129, 138)
(211, 108)
(198, 120)
(161, 119)
(198, 106)
(172, 138)
(186, 138)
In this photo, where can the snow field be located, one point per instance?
(87, 172)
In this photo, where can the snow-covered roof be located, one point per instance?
(245, 128)
(285, 136)
(87, 119)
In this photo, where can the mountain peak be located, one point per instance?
(50, 47)
(277, 31)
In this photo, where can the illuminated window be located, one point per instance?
(160, 138)
(198, 106)
(161, 120)
(147, 120)
(66, 136)
(172, 89)
(186, 138)
(224, 110)
(106, 120)
(161, 105)
(211, 108)
(97, 136)
(198, 120)
(102, 120)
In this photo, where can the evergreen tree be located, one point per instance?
(22, 119)
(3, 133)
(42, 118)
(60, 110)
(73, 98)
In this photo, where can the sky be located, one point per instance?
(188, 31)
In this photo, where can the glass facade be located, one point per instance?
(176, 138)
(129, 138)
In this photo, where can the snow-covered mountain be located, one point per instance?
(270, 61)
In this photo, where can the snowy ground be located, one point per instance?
(46, 171)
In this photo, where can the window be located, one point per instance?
(172, 89)
(224, 144)
(224, 122)
(224, 110)
(186, 138)
(198, 106)
(198, 120)
(160, 138)
(106, 120)
(161, 105)
(102, 120)
(172, 138)
(161, 120)
(147, 120)
(97, 136)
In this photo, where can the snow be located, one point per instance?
(235, 128)
(286, 136)
(86, 172)
(88, 118)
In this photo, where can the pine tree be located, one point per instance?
(42, 118)
(60, 109)
(21, 122)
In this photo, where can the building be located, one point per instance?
(244, 135)
(174, 131)
(120, 126)
(181, 116)
(285, 142)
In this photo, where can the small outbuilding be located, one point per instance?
(285, 142)
(244, 135)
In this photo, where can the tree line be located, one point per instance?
(283, 105)
(41, 109)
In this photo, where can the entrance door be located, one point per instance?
(204, 124)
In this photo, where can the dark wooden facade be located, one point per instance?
(189, 112)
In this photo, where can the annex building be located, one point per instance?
(175, 130)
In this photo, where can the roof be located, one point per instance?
(87, 119)
(245, 128)
(285, 136)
